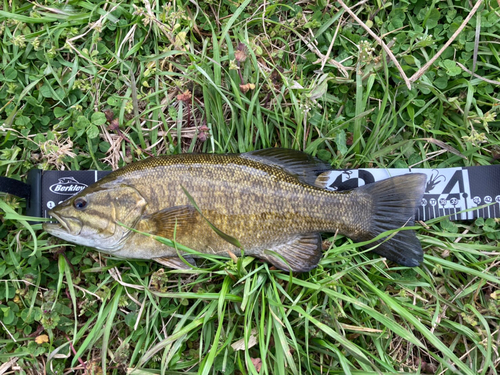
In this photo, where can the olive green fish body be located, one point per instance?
(266, 200)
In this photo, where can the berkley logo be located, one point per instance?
(67, 186)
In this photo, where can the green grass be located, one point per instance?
(321, 84)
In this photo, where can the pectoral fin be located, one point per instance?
(302, 254)
(169, 221)
(176, 263)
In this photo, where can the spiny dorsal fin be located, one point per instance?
(299, 255)
(305, 167)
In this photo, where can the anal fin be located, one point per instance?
(301, 254)
(176, 263)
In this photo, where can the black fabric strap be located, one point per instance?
(15, 187)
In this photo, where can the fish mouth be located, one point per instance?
(63, 225)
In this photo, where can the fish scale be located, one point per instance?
(271, 201)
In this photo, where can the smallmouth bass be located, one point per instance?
(272, 201)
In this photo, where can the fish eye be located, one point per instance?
(80, 203)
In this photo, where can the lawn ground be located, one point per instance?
(98, 84)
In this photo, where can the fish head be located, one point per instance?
(99, 217)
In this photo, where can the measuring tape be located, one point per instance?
(447, 192)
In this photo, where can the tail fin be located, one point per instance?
(394, 202)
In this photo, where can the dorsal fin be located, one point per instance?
(297, 163)
(322, 180)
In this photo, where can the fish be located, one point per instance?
(273, 202)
